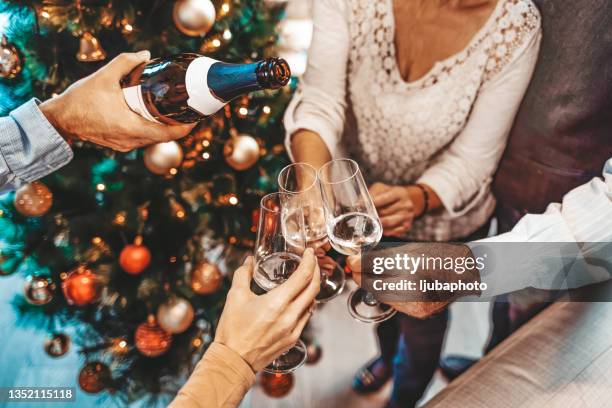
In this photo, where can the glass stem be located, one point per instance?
(369, 299)
(323, 278)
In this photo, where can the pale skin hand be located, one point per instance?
(260, 328)
(93, 109)
(420, 310)
(397, 206)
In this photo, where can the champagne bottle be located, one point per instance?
(185, 88)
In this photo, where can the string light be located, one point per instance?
(45, 14)
(205, 143)
(119, 218)
(119, 346)
(227, 34)
(233, 200)
(96, 241)
(100, 187)
(206, 155)
(225, 8)
(266, 109)
(216, 43)
(243, 111)
(173, 171)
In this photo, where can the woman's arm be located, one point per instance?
(315, 117)
(464, 171)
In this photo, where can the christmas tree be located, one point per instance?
(134, 249)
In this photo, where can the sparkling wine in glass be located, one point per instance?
(305, 205)
(276, 258)
(352, 227)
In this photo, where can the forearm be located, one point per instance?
(220, 380)
(308, 147)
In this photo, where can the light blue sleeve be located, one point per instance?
(30, 148)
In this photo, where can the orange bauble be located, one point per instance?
(94, 377)
(134, 259)
(276, 385)
(151, 340)
(205, 278)
(81, 286)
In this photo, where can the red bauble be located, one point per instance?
(134, 259)
(81, 286)
(94, 377)
(276, 385)
(151, 340)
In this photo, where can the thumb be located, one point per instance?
(124, 63)
(244, 274)
(354, 263)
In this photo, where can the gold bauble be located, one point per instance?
(10, 60)
(90, 49)
(205, 278)
(39, 290)
(57, 345)
(161, 157)
(194, 17)
(175, 315)
(241, 152)
(33, 199)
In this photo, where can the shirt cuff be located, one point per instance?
(224, 355)
(33, 149)
(501, 277)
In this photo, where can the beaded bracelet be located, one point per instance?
(425, 199)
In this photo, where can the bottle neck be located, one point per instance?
(228, 81)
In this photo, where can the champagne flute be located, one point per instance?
(299, 180)
(276, 258)
(352, 226)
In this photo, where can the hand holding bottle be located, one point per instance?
(93, 109)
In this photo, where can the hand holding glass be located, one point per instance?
(276, 258)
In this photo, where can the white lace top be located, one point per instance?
(447, 129)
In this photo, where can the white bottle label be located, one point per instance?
(133, 97)
(196, 82)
